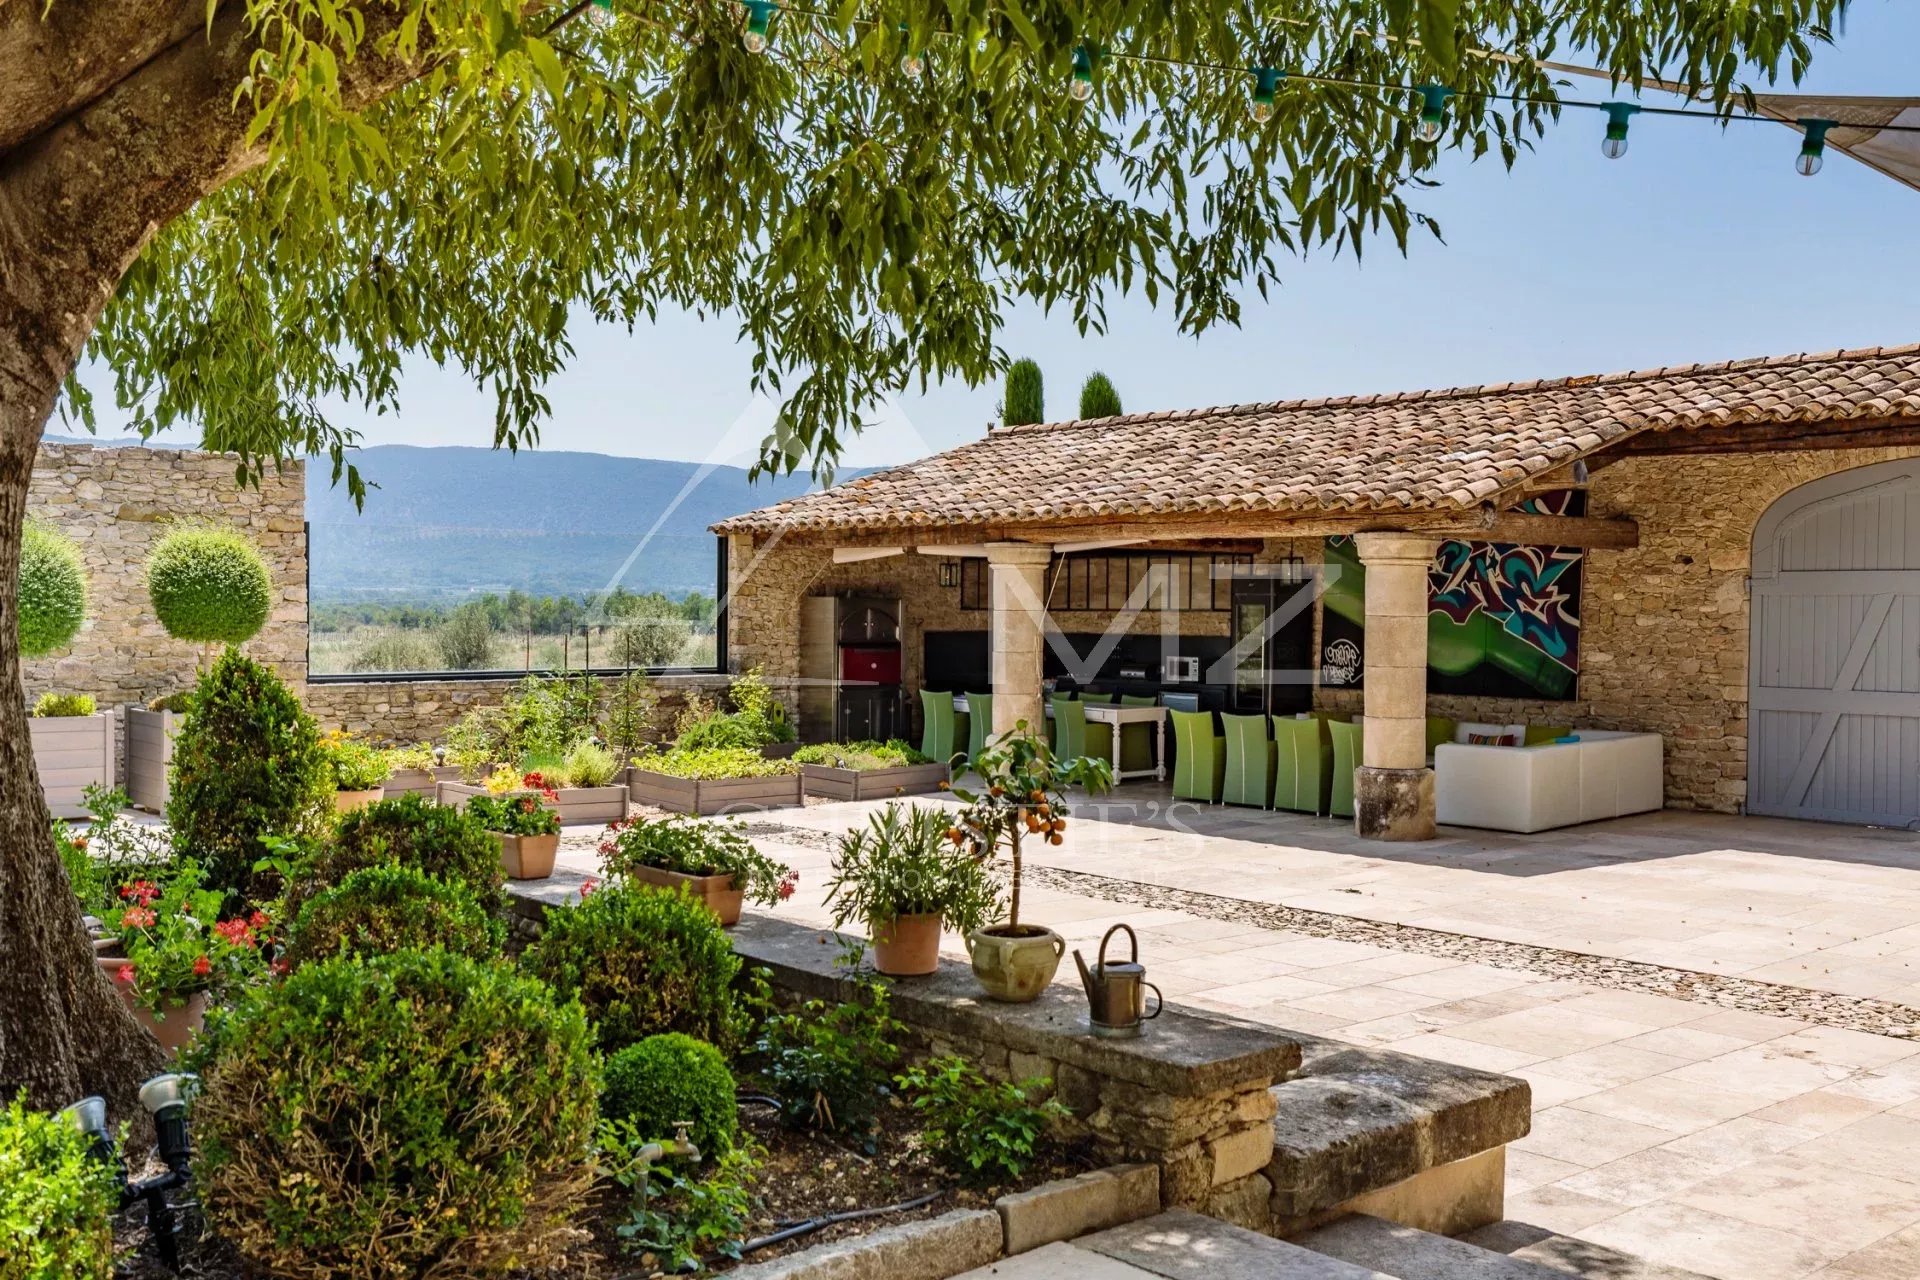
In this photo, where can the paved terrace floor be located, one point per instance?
(1694, 998)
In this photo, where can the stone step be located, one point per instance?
(1504, 1251)
(1178, 1245)
(1575, 1257)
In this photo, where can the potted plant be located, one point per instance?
(713, 861)
(712, 780)
(867, 770)
(1022, 796)
(416, 770)
(902, 878)
(528, 831)
(584, 784)
(359, 771)
(174, 951)
(73, 749)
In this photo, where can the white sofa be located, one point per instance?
(1605, 774)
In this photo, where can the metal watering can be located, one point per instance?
(1117, 990)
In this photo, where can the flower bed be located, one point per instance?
(713, 780)
(577, 806)
(868, 770)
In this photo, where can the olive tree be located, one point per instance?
(248, 210)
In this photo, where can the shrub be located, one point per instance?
(643, 961)
(902, 863)
(418, 756)
(180, 701)
(829, 1064)
(465, 639)
(980, 1130)
(53, 591)
(756, 720)
(713, 763)
(56, 705)
(1098, 399)
(649, 640)
(56, 1200)
(407, 831)
(209, 586)
(414, 1114)
(588, 764)
(1025, 400)
(892, 754)
(696, 847)
(377, 910)
(669, 1078)
(396, 650)
(246, 764)
(352, 764)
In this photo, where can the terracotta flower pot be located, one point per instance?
(527, 857)
(716, 893)
(1015, 963)
(907, 946)
(181, 1021)
(348, 801)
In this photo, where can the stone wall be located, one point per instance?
(116, 503)
(407, 711)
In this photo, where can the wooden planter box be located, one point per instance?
(150, 755)
(577, 806)
(72, 753)
(779, 750)
(872, 784)
(712, 795)
(716, 893)
(419, 782)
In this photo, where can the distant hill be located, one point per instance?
(451, 521)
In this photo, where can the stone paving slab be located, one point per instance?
(1187, 1246)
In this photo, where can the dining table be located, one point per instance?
(1112, 714)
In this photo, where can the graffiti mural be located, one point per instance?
(1503, 621)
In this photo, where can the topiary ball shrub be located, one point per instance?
(56, 1201)
(209, 586)
(407, 831)
(643, 961)
(247, 763)
(376, 910)
(53, 591)
(669, 1078)
(401, 1116)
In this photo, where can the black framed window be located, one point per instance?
(1103, 581)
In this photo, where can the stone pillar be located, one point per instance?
(1393, 788)
(1017, 599)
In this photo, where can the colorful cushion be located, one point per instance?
(1489, 740)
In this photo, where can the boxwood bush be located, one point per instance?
(376, 910)
(643, 961)
(56, 1201)
(209, 586)
(406, 831)
(247, 763)
(395, 1117)
(668, 1078)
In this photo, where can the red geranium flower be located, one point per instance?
(258, 920)
(138, 918)
(238, 933)
(202, 966)
(787, 886)
(125, 974)
(588, 886)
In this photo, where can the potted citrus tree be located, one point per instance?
(359, 772)
(902, 879)
(527, 829)
(1022, 796)
(713, 861)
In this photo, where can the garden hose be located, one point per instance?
(812, 1225)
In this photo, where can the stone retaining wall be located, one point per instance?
(404, 711)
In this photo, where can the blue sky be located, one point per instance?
(1698, 245)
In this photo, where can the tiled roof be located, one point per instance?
(1409, 451)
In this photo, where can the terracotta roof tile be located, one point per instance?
(1420, 450)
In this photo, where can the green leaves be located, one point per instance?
(863, 230)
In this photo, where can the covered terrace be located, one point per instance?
(1670, 519)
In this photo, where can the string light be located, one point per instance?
(1433, 110)
(759, 21)
(1813, 148)
(1265, 81)
(1080, 88)
(912, 65)
(601, 16)
(1614, 145)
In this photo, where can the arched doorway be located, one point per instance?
(1833, 725)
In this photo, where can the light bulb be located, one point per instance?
(601, 16)
(1261, 111)
(755, 41)
(912, 65)
(1265, 82)
(1430, 129)
(1807, 164)
(1813, 150)
(759, 18)
(1080, 88)
(1613, 148)
(1619, 116)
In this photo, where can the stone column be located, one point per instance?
(1017, 580)
(1393, 788)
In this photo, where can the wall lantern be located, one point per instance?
(949, 573)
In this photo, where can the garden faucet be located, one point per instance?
(654, 1152)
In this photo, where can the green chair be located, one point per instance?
(1200, 757)
(1136, 740)
(1440, 729)
(1069, 728)
(940, 737)
(1346, 758)
(1248, 774)
(1303, 763)
(980, 728)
